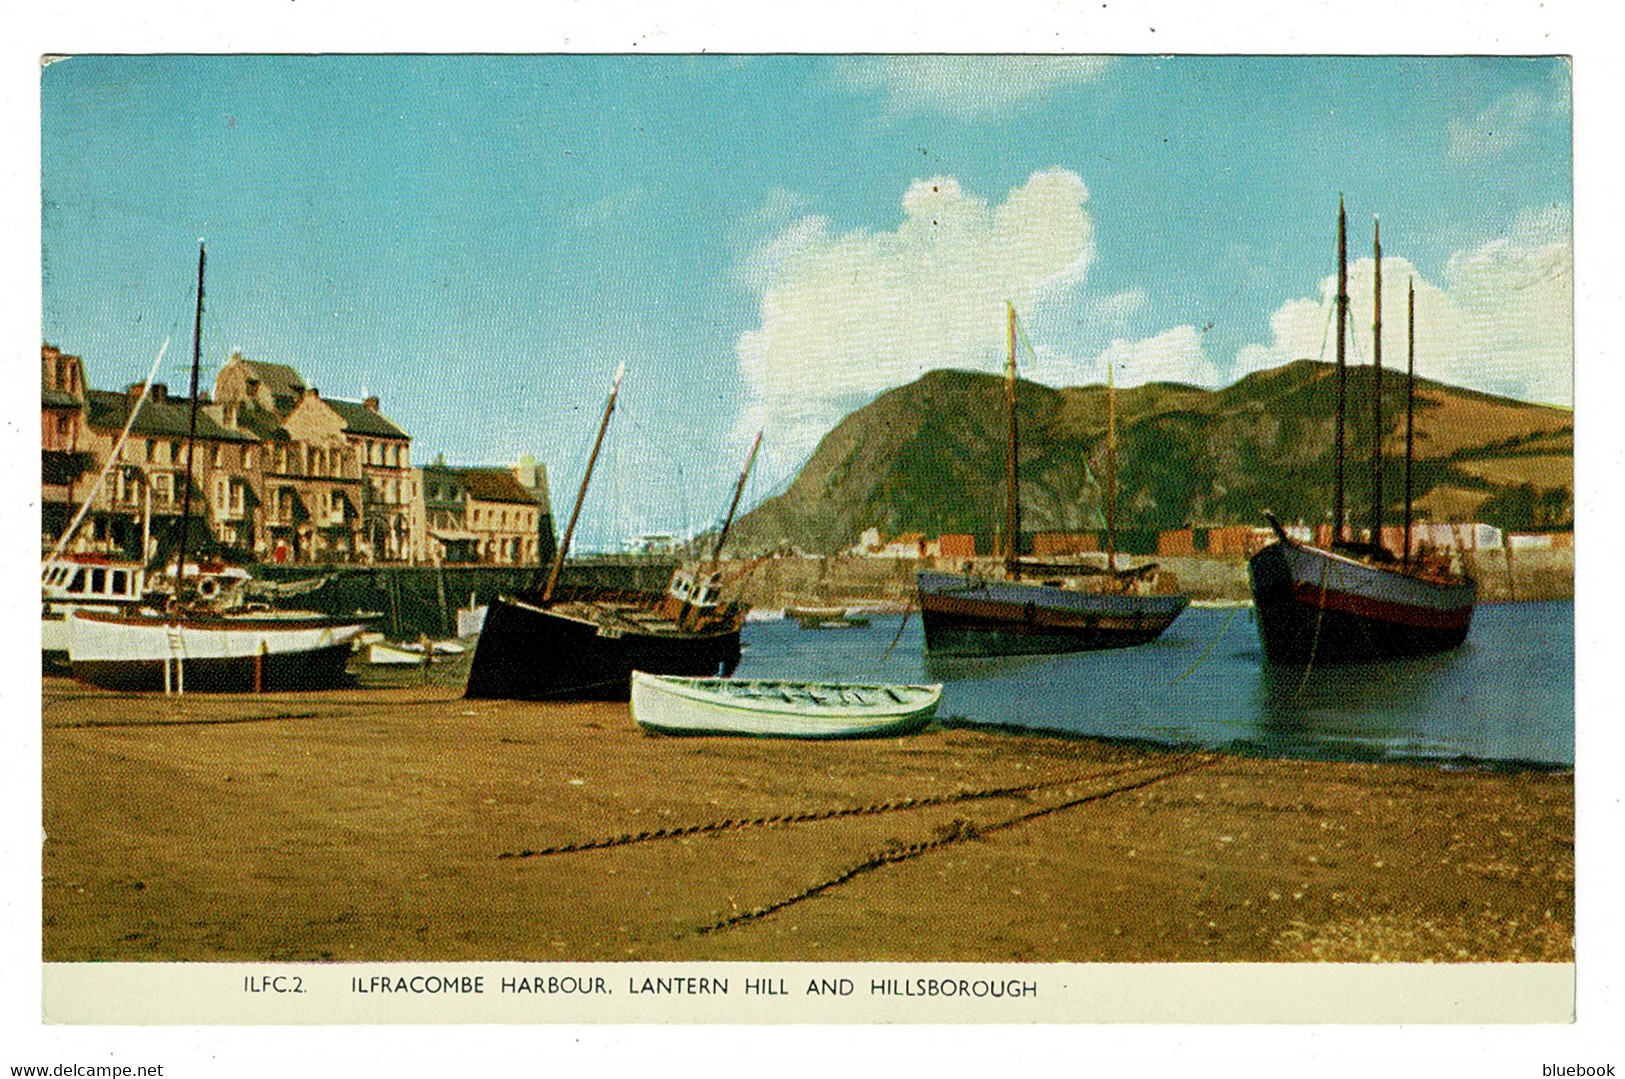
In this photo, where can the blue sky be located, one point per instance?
(771, 241)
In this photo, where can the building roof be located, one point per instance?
(58, 399)
(164, 419)
(361, 420)
(283, 381)
(261, 423)
(494, 485)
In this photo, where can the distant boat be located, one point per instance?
(1358, 600)
(779, 709)
(563, 642)
(388, 654)
(196, 643)
(825, 617)
(1042, 608)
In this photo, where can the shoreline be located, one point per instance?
(407, 823)
(1461, 762)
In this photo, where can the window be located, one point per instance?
(98, 581)
(121, 582)
(152, 450)
(78, 582)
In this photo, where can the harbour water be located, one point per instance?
(1505, 697)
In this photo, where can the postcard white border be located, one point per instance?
(779, 993)
(1585, 31)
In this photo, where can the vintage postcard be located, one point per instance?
(807, 538)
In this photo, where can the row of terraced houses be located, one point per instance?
(279, 474)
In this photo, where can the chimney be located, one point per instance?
(311, 392)
(160, 392)
(370, 404)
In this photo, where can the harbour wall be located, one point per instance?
(409, 601)
(850, 580)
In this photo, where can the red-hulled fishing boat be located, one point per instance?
(1358, 600)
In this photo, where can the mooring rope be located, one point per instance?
(884, 656)
(626, 838)
(1314, 643)
(958, 831)
(1209, 651)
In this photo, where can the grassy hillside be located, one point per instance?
(929, 457)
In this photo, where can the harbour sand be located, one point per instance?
(408, 824)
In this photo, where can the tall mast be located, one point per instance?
(739, 489)
(1410, 407)
(1376, 395)
(722, 537)
(581, 495)
(191, 427)
(1342, 369)
(1012, 508)
(1111, 475)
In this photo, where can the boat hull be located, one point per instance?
(1322, 606)
(214, 655)
(779, 710)
(970, 616)
(529, 652)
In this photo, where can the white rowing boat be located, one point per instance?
(386, 654)
(779, 709)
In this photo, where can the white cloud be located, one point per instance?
(844, 317)
(1501, 126)
(1502, 321)
(966, 87)
(1515, 296)
(1174, 355)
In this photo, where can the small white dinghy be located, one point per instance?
(779, 709)
(385, 654)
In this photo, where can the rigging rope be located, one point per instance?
(112, 459)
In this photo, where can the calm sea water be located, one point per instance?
(1506, 696)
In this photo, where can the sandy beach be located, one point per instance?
(404, 823)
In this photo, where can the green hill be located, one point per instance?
(929, 457)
